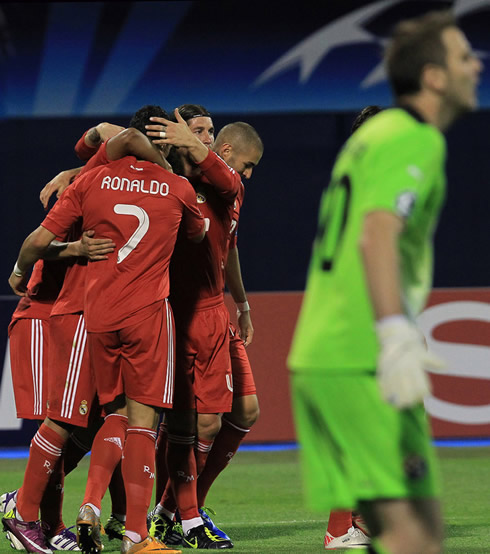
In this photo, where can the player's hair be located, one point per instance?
(414, 44)
(240, 135)
(142, 117)
(365, 114)
(189, 111)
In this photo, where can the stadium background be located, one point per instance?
(299, 78)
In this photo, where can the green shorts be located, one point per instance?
(355, 446)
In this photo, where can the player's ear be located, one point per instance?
(434, 77)
(225, 151)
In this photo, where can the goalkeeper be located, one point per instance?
(359, 364)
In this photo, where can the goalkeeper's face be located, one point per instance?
(462, 70)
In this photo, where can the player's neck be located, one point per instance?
(431, 108)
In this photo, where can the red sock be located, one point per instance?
(161, 470)
(181, 463)
(202, 449)
(52, 501)
(45, 452)
(224, 448)
(118, 494)
(339, 523)
(106, 454)
(358, 521)
(138, 470)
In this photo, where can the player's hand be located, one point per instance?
(95, 249)
(245, 327)
(57, 184)
(169, 132)
(403, 363)
(18, 284)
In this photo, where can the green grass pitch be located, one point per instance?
(259, 504)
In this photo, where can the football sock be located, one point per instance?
(188, 524)
(161, 471)
(107, 450)
(358, 521)
(52, 500)
(45, 452)
(339, 522)
(224, 448)
(181, 463)
(202, 449)
(159, 509)
(138, 471)
(118, 494)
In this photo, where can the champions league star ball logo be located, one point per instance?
(346, 30)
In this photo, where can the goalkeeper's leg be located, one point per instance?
(405, 525)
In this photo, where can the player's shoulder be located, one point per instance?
(402, 125)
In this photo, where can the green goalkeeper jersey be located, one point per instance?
(393, 162)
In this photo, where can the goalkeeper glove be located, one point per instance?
(403, 362)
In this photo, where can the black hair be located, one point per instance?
(364, 115)
(142, 117)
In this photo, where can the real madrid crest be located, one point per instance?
(83, 409)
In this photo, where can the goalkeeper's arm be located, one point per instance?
(403, 358)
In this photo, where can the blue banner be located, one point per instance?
(94, 58)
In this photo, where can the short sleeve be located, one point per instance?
(399, 173)
(65, 212)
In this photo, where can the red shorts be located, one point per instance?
(243, 379)
(203, 379)
(29, 339)
(71, 387)
(137, 361)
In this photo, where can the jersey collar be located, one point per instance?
(413, 112)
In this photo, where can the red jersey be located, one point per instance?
(98, 158)
(139, 206)
(71, 297)
(42, 290)
(197, 270)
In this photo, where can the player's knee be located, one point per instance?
(62, 428)
(245, 412)
(208, 425)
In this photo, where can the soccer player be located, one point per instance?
(203, 374)
(358, 360)
(32, 376)
(134, 203)
(240, 146)
(347, 529)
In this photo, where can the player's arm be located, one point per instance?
(234, 282)
(90, 141)
(58, 184)
(403, 358)
(132, 142)
(179, 134)
(33, 248)
(87, 247)
(221, 176)
(379, 249)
